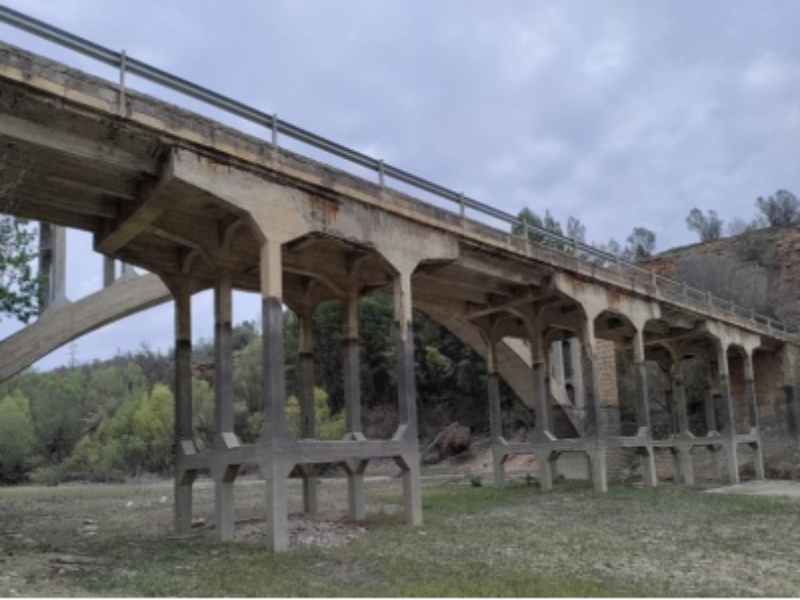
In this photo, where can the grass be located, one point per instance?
(476, 541)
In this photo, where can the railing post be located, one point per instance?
(710, 299)
(461, 207)
(275, 131)
(381, 174)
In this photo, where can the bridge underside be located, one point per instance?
(205, 207)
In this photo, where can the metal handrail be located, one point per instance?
(551, 240)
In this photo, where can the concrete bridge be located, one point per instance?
(203, 206)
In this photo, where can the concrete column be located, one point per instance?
(352, 401)
(305, 395)
(128, 270)
(495, 414)
(576, 378)
(274, 468)
(685, 466)
(597, 454)
(752, 404)
(59, 265)
(730, 427)
(407, 396)
(109, 271)
(183, 410)
(46, 264)
(224, 475)
(557, 362)
(643, 411)
(710, 405)
(541, 388)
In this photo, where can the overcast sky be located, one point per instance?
(620, 113)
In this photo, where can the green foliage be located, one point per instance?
(59, 405)
(248, 372)
(203, 413)
(329, 426)
(153, 424)
(20, 288)
(536, 229)
(17, 438)
(114, 449)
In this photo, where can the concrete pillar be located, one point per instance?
(710, 405)
(541, 388)
(109, 271)
(45, 264)
(495, 414)
(305, 396)
(355, 469)
(407, 396)
(274, 468)
(128, 270)
(643, 411)
(224, 476)
(183, 409)
(557, 362)
(59, 287)
(730, 426)
(597, 454)
(576, 377)
(752, 405)
(684, 458)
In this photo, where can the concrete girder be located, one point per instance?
(154, 200)
(73, 144)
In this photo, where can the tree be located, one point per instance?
(641, 244)
(708, 227)
(576, 230)
(19, 286)
(780, 210)
(739, 226)
(154, 423)
(531, 223)
(17, 438)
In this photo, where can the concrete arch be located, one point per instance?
(60, 326)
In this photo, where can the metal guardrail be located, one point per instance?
(596, 258)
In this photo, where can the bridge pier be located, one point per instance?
(597, 449)
(224, 472)
(408, 462)
(729, 431)
(305, 397)
(53, 265)
(184, 443)
(643, 423)
(355, 469)
(752, 405)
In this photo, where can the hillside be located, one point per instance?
(758, 269)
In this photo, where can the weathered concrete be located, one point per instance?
(199, 203)
(183, 407)
(59, 326)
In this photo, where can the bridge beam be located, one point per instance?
(154, 201)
